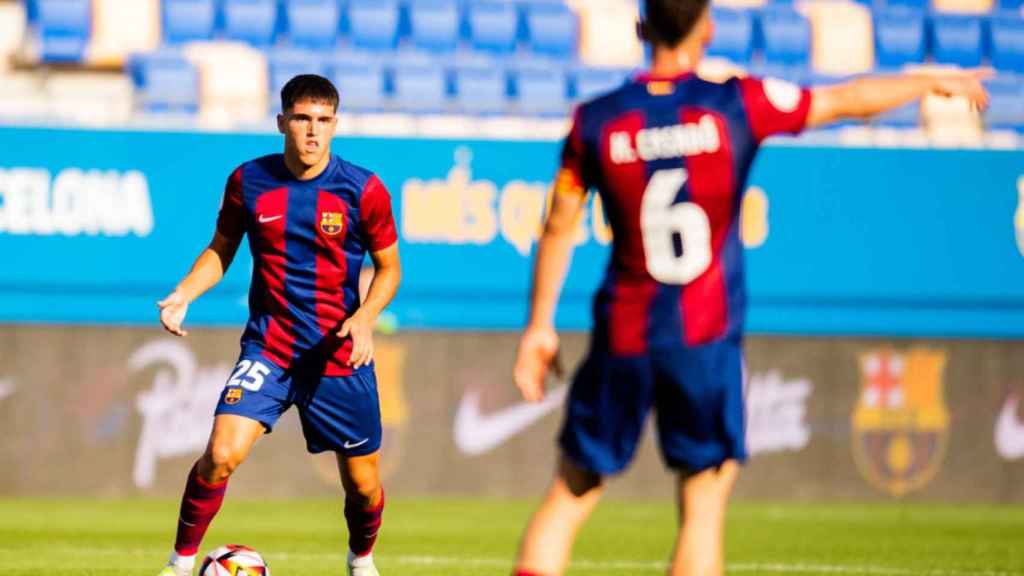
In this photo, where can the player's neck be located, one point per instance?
(672, 62)
(303, 172)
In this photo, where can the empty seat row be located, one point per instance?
(781, 35)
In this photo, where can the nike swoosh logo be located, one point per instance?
(1009, 433)
(477, 433)
(349, 445)
(265, 220)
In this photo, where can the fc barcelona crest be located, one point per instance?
(900, 424)
(332, 223)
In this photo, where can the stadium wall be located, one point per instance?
(104, 411)
(97, 225)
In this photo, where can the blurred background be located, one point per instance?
(886, 258)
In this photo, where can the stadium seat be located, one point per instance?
(1007, 43)
(481, 89)
(1006, 110)
(360, 83)
(122, 27)
(841, 37)
(963, 6)
(541, 90)
(957, 39)
(551, 29)
(908, 116)
(373, 24)
(188, 20)
(233, 82)
(796, 74)
(312, 23)
(734, 34)
(1010, 6)
(13, 24)
(32, 12)
(420, 86)
(434, 25)
(65, 27)
(787, 36)
(899, 37)
(593, 82)
(166, 82)
(285, 64)
(250, 21)
(492, 26)
(914, 4)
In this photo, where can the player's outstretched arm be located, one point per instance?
(386, 277)
(871, 95)
(538, 346)
(207, 270)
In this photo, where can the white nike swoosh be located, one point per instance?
(349, 445)
(6, 388)
(1009, 433)
(477, 433)
(264, 220)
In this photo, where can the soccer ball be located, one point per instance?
(234, 560)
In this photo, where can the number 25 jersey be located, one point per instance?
(670, 158)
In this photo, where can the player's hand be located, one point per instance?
(172, 313)
(360, 328)
(967, 83)
(538, 351)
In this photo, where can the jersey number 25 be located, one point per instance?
(661, 219)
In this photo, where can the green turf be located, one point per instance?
(474, 537)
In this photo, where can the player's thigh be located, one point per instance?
(607, 406)
(256, 394)
(342, 414)
(699, 404)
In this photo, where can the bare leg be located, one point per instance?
(360, 476)
(702, 503)
(230, 442)
(549, 536)
(364, 508)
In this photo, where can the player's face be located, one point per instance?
(308, 128)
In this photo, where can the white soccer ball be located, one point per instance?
(234, 560)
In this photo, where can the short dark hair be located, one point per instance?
(309, 86)
(669, 22)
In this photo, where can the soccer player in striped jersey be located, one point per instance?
(669, 153)
(311, 218)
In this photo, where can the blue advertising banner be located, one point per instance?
(95, 227)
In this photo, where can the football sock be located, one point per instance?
(363, 524)
(182, 561)
(199, 504)
(525, 573)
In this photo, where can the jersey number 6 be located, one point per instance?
(661, 219)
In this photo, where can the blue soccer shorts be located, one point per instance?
(695, 392)
(338, 413)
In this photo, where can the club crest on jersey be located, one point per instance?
(233, 396)
(332, 223)
(901, 423)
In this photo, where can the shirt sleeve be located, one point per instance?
(572, 173)
(775, 106)
(231, 220)
(375, 212)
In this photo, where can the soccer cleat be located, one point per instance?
(361, 566)
(172, 570)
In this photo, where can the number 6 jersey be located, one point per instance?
(670, 158)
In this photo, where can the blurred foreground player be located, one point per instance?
(311, 218)
(669, 153)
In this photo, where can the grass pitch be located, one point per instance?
(477, 537)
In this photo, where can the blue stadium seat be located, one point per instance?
(420, 86)
(957, 39)
(907, 116)
(285, 64)
(787, 36)
(481, 89)
(492, 26)
(1007, 42)
(899, 37)
(541, 90)
(593, 82)
(373, 24)
(796, 74)
(32, 12)
(551, 29)
(65, 27)
(434, 25)
(188, 20)
(313, 23)
(734, 34)
(360, 82)
(252, 21)
(914, 4)
(1010, 5)
(166, 82)
(1006, 110)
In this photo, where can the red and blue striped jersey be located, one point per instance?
(308, 239)
(670, 158)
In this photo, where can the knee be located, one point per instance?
(218, 463)
(363, 483)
